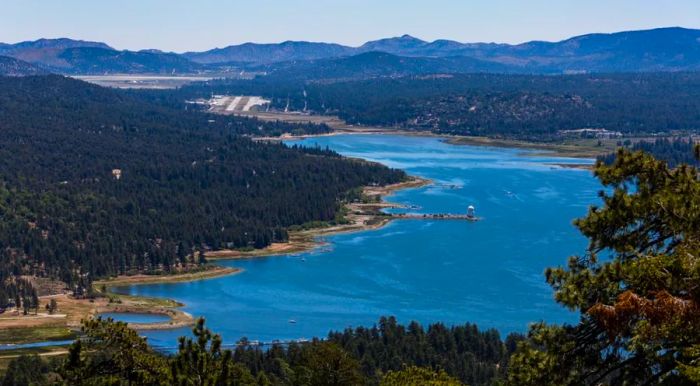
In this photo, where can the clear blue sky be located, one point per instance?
(176, 25)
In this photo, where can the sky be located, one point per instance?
(196, 25)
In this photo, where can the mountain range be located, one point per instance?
(662, 49)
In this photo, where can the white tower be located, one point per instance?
(470, 211)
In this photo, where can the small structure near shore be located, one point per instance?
(433, 216)
(470, 211)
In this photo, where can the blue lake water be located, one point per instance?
(489, 272)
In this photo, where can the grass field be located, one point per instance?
(7, 356)
(575, 148)
(20, 335)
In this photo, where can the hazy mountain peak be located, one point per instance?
(55, 43)
(393, 45)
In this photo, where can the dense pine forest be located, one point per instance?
(97, 182)
(362, 356)
(527, 107)
(674, 151)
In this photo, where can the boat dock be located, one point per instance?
(436, 216)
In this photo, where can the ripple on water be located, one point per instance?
(489, 273)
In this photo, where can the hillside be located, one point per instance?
(269, 53)
(83, 57)
(47, 52)
(15, 67)
(94, 60)
(376, 64)
(532, 107)
(100, 182)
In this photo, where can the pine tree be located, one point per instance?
(638, 287)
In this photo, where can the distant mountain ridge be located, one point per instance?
(15, 67)
(94, 60)
(46, 52)
(85, 57)
(661, 49)
(379, 64)
(270, 53)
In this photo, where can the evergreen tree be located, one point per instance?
(112, 353)
(636, 289)
(418, 376)
(26, 370)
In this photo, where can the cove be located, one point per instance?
(490, 272)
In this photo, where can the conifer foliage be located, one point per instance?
(638, 288)
(97, 182)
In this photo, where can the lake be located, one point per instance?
(488, 272)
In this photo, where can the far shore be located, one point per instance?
(579, 148)
(572, 148)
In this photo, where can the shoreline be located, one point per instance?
(564, 150)
(65, 323)
(571, 148)
(360, 216)
(210, 272)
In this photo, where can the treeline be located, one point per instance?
(473, 356)
(168, 100)
(19, 293)
(95, 182)
(531, 107)
(364, 356)
(674, 151)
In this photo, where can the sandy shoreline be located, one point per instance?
(361, 217)
(210, 272)
(340, 127)
(63, 324)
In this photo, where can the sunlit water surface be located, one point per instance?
(489, 272)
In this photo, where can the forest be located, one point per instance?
(362, 356)
(675, 151)
(96, 182)
(529, 107)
